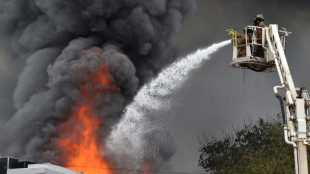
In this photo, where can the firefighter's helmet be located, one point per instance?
(258, 18)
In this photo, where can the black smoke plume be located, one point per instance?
(44, 45)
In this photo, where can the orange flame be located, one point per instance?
(79, 131)
(146, 168)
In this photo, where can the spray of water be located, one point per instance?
(141, 134)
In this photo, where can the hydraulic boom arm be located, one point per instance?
(296, 117)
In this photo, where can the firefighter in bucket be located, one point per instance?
(259, 22)
(247, 38)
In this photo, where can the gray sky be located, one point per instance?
(217, 97)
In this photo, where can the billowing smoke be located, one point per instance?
(51, 46)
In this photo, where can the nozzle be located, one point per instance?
(231, 31)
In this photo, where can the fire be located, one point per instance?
(146, 168)
(79, 131)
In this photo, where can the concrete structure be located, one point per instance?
(42, 169)
(12, 163)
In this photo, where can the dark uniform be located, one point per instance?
(241, 41)
(259, 21)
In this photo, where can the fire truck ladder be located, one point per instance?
(296, 117)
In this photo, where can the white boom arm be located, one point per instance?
(296, 118)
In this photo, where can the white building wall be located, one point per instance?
(42, 169)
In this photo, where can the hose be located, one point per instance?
(275, 89)
(282, 108)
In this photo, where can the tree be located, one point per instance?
(256, 148)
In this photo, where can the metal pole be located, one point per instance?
(302, 158)
(301, 135)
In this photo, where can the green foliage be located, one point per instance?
(258, 148)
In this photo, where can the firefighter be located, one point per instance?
(259, 22)
(241, 41)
